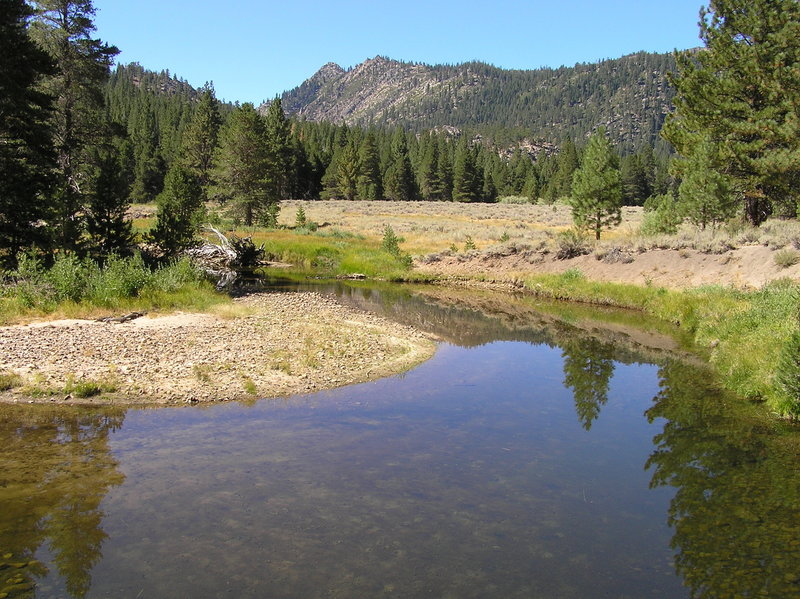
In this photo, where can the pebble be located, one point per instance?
(207, 359)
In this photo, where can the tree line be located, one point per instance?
(81, 143)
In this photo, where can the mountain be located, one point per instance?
(629, 96)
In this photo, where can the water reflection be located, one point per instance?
(736, 509)
(508, 468)
(55, 470)
(588, 368)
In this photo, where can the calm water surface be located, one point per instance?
(523, 460)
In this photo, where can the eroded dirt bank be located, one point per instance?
(744, 267)
(279, 344)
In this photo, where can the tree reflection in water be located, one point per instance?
(588, 368)
(55, 469)
(736, 509)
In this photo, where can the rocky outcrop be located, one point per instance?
(629, 96)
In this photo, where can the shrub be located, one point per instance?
(9, 380)
(571, 243)
(469, 244)
(787, 257)
(662, 216)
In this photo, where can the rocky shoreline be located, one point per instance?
(274, 345)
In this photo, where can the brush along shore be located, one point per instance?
(264, 345)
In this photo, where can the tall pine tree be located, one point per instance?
(243, 168)
(597, 187)
(63, 29)
(201, 138)
(741, 94)
(26, 146)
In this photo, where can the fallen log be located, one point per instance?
(226, 260)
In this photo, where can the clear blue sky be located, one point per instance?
(255, 49)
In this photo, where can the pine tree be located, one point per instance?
(705, 194)
(560, 186)
(597, 187)
(279, 147)
(201, 138)
(347, 172)
(107, 224)
(635, 189)
(741, 93)
(445, 171)
(370, 185)
(63, 29)
(430, 182)
(243, 168)
(400, 181)
(467, 183)
(180, 212)
(148, 165)
(26, 146)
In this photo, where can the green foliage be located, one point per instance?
(27, 155)
(706, 192)
(662, 216)
(469, 244)
(201, 138)
(788, 373)
(300, 217)
(739, 95)
(747, 330)
(597, 187)
(107, 224)
(391, 242)
(331, 253)
(63, 29)
(244, 168)
(180, 212)
(467, 179)
(82, 281)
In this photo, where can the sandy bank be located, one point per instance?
(744, 267)
(278, 344)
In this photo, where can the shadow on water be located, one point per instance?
(546, 450)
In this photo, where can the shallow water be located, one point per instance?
(520, 461)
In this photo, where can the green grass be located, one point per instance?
(333, 253)
(73, 288)
(741, 333)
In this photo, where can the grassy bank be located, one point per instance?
(73, 288)
(744, 334)
(332, 252)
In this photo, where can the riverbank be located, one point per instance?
(265, 346)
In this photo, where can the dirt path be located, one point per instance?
(285, 344)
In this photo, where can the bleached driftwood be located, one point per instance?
(224, 261)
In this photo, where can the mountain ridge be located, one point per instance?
(630, 96)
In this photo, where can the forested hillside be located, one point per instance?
(629, 96)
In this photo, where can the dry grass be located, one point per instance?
(429, 227)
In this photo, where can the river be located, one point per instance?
(544, 451)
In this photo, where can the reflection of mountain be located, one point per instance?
(55, 469)
(736, 510)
